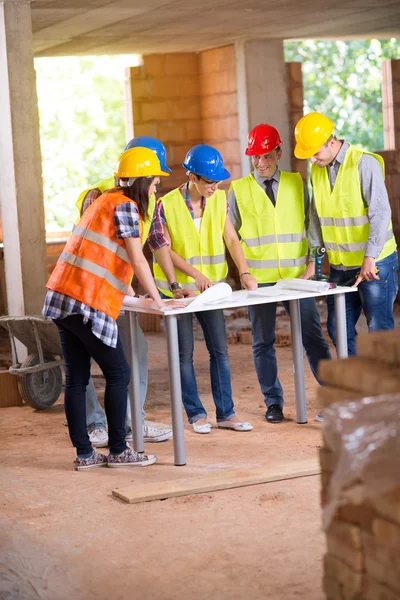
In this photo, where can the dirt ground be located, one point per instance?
(63, 535)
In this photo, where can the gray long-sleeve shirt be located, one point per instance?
(234, 212)
(375, 198)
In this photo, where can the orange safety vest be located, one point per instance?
(94, 267)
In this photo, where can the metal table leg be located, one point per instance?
(175, 389)
(134, 386)
(341, 326)
(298, 361)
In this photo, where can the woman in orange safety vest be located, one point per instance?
(85, 295)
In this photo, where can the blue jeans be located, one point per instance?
(79, 346)
(95, 417)
(263, 318)
(213, 325)
(376, 298)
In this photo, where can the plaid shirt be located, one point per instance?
(90, 197)
(156, 237)
(59, 306)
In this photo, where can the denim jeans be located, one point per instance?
(213, 325)
(95, 417)
(376, 298)
(263, 318)
(79, 346)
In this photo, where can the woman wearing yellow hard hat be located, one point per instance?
(85, 295)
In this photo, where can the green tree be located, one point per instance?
(82, 128)
(343, 80)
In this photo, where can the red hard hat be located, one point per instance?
(262, 139)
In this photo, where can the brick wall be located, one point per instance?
(296, 106)
(185, 99)
(391, 103)
(218, 105)
(166, 105)
(392, 180)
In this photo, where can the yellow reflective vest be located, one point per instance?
(273, 238)
(107, 184)
(204, 249)
(342, 213)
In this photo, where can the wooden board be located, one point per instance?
(213, 482)
(9, 391)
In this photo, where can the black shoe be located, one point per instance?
(274, 414)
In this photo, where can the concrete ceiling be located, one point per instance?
(72, 27)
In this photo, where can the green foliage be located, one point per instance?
(343, 80)
(82, 128)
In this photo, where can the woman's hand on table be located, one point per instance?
(168, 304)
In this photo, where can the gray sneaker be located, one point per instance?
(96, 460)
(129, 458)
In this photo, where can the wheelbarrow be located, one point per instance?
(39, 375)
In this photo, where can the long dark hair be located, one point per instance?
(139, 192)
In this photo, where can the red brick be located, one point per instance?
(245, 337)
(296, 98)
(327, 395)
(336, 569)
(145, 129)
(136, 72)
(388, 505)
(361, 375)
(352, 557)
(154, 64)
(383, 346)
(219, 129)
(222, 82)
(218, 106)
(192, 131)
(140, 88)
(181, 63)
(381, 563)
(361, 515)
(217, 59)
(175, 87)
(295, 73)
(372, 590)
(387, 534)
(185, 108)
(171, 132)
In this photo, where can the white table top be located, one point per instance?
(237, 299)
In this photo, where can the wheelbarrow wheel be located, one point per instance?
(40, 390)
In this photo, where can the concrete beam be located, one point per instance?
(21, 188)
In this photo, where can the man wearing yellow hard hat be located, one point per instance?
(350, 215)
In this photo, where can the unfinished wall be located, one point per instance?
(166, 105)
(296, 107)
(218, 105)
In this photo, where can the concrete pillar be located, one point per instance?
(21, 188)
(262, 93)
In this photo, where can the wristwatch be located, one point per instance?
(175, 286)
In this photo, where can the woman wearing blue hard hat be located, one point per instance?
(194, 219)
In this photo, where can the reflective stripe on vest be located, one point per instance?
(273, 238)
(204, 249)
(94, 267)
(106, 184)
(342, 213)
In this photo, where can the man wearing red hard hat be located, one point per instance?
(269, 210)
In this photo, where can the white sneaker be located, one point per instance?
(98, 438)
(320, 418)
(152, 432)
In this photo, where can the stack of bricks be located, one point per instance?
(363, 540)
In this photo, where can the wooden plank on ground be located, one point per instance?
(213, 482)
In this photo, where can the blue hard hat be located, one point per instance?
(207, 162)
(146, 141)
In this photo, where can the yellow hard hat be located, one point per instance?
(139, 162)
(311, 132)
